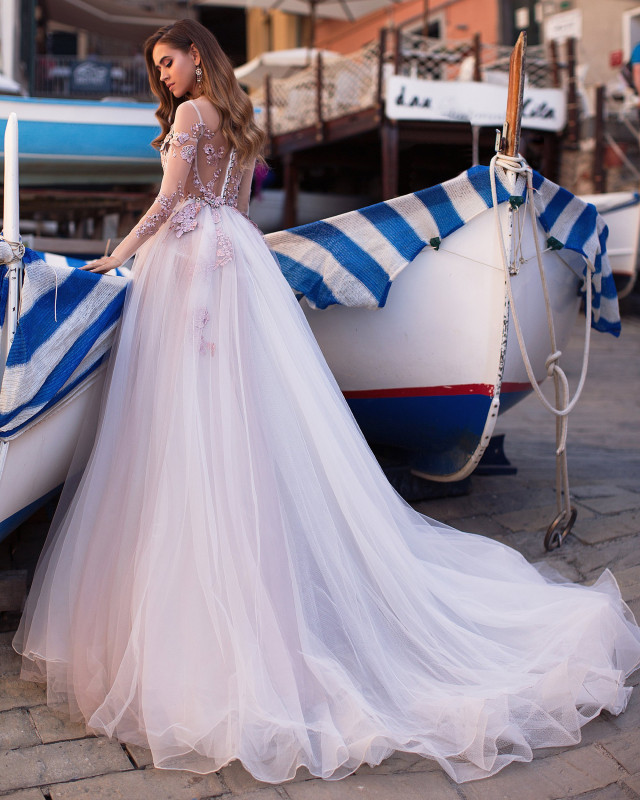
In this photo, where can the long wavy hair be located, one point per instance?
(218, 84)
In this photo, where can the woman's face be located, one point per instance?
(177, 69)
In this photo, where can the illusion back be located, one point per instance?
(214, 177)
(200, 168)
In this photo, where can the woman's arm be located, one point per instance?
(244, 192)
(180, 158)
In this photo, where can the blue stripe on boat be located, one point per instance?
(442, 209)
(395, 228)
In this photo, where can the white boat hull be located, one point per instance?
(426, 372)
(621, 212)
(36, 460)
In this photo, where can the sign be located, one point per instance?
(566, 25)
(90, 76)
(482, 104)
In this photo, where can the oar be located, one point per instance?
(511, 130)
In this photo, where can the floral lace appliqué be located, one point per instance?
(201, 319)
(188, 153)
(224, 251)
(152, 222)
(213, 155)
(184, 221)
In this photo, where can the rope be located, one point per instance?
(562, 406)
(17, 252)
(11, 254)
(12, 251)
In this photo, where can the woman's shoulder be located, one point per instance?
(207, 112)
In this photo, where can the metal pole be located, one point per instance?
(11, 232)
(599, 174)
(572, 96)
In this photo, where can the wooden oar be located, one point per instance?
(511, 131)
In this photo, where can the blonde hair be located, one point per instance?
(219, 86)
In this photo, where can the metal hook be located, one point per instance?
(555, 537)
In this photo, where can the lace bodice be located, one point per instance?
(200, 169)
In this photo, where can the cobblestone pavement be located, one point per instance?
(42, 755)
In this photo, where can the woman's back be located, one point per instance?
(196, 137)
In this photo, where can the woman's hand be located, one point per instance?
(104, 264)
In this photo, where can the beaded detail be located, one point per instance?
(187, 153)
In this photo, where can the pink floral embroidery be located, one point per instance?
(207, 348)
(181, 137)
(188, 153)
(184, 221)
(152, 222)
(213, 156)
(224, 250)
(201, 318)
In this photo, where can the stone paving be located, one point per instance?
(44, 756)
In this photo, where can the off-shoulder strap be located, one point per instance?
(197, 111)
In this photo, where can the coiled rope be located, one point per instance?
(563, 406)
(11, 253)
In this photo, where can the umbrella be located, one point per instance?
(348, 10)
(279, 64)
(120, 19)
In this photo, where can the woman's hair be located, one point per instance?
(218, 84)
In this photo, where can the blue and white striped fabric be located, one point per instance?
(352, 259)
(48, 359)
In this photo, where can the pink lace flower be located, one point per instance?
(188, 153)
(201, 318)
(184, 221)
(224, 251)
(207, 348)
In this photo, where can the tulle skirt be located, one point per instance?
(234, 578)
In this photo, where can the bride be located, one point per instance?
(232, 577)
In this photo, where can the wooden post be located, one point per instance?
(290, 215)
(477, 57)
(397, 55)
(550, 156)
(319, 93)
(267, 100)
(572, 96)
(381, 56)
(390, 157)
(514, 99)
(599, 174)
(553, 59)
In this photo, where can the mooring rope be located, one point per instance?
(563, 406)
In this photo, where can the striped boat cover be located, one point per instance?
(48, 359)
(352, 259)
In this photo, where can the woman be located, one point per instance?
(234, 578)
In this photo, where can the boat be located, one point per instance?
(83, 141)
(429, 309)
(621, 212)
(57, 324)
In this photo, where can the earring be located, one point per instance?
(198, 74)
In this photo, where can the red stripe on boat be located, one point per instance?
(485, 389)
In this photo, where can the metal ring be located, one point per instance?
(555, 537)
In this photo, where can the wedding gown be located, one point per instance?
(235, 578)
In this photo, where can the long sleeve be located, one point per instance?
(178, 154)
(244, 192)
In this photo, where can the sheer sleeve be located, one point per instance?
(178, 154)
(244, 192)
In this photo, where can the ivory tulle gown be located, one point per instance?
(234, 577)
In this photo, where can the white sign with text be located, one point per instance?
(482, 104)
